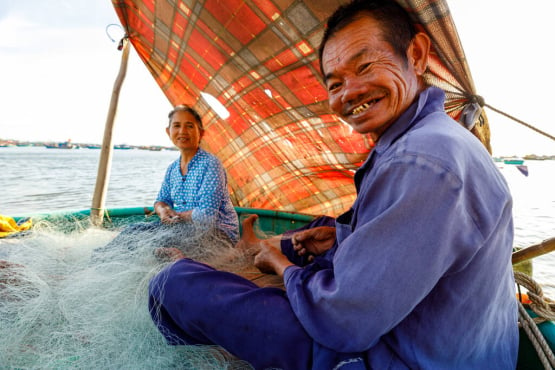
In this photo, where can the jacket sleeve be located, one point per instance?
(410, 227)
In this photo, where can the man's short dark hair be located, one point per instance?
(398, 29)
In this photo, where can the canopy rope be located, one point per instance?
(521, 122)
(480, 100)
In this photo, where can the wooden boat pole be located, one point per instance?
(105, 163)
(533, 251)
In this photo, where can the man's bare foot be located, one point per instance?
(249, 242)
(169, 254)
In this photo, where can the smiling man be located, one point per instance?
(416, 275)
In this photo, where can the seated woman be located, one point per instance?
(193, 200)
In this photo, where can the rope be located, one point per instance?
(545, 354)
(521, 122)
(545, 311)
(543, 307)
(473, 98)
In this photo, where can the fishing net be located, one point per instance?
(79, 299)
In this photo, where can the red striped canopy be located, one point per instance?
(281, 146)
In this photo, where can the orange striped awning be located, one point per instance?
(281, 146)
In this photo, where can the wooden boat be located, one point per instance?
(63, 145)
(513, 160)
(276, 222)
(288, 158)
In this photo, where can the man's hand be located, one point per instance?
(270, 260)
(313, 241)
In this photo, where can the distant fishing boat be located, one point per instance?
(123, 146)
(153, 148)
(63, 145)
(513, 160)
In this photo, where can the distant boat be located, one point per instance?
(523, 169)
(65, 145)
(93, 146)
(513, 160)
(123, 146)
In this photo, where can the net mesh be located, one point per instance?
(80, 299)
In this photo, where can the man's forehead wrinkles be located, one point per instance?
(336, 60)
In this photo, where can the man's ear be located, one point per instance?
(168, 131)
(418, 52)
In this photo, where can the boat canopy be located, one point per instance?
(257, 59)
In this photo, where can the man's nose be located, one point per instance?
(353, 88)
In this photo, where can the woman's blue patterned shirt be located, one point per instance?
(204, 190)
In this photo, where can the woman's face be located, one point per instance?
(184, 131)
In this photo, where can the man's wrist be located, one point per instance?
(282, 267)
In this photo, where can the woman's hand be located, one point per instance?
(185, 216)
(168, 215)
(168, 254)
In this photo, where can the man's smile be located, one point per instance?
(359, 109)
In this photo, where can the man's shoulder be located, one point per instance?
(440, 135)
(437, 141)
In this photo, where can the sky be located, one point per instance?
(58, 65)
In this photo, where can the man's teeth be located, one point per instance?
(361, 108)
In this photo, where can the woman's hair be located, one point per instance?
(185, 108)
(397, 27)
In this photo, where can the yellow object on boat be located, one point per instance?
(9, 226)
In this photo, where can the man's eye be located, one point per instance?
(334, 86)
(364, 67)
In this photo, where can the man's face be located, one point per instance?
(369, 86)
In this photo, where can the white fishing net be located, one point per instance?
(71, 300)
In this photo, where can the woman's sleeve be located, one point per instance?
(211, 193)
(164, 194)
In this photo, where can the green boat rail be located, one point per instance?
(269, 221)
